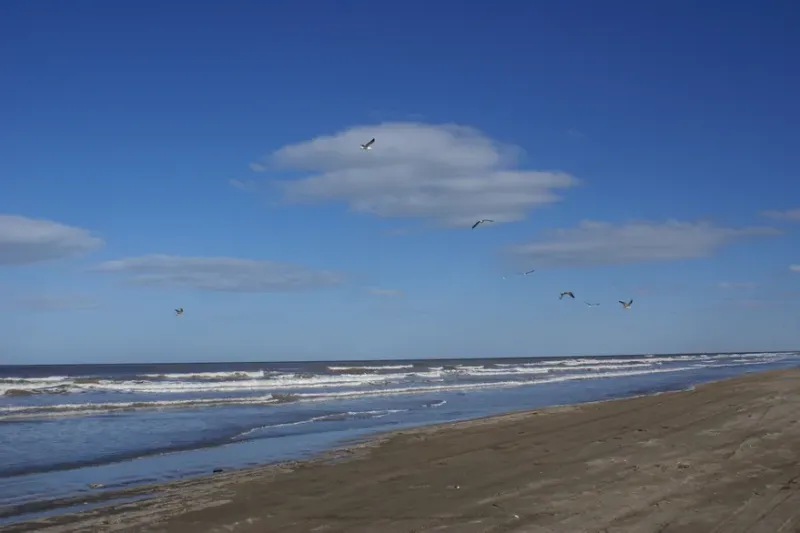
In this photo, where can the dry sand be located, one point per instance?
(722, 458)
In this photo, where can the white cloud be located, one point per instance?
(257, 167)
(736, 285)
(385, 293)
(27, 240)
(789, 214)
(794, 268)
(219, 274)
(602, 243)
(450, 174)
(55, 302)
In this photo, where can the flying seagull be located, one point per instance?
(626, 305)
(566, 293)
(368, 146)
(521, 273)
(590, 305)
(179, 311)
(475, 225)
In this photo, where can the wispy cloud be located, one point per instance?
(602, 243)
(789, 214)
(384, 293)
(247, 185)
(449, 174)
(219, 274)
(27, 240)
(54, 302)
(737, 285)
(794, 268)
(257, 167)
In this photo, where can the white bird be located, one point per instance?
(626, 305)
(475, 225)
(368, 146)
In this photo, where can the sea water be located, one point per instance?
(65, 427)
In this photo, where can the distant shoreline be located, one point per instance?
(658, 456)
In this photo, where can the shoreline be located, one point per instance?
(225, 498)
(347, 449)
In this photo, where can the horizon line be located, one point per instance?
(654, 354)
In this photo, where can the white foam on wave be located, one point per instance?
(257, 381)
(331, 417)
(280, 381)
(535, 376)
(78, 409)
(476, 386)
(47, 379)
(620, 361)
(230, 375)
(360, 367)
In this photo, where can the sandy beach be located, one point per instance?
(720, 458)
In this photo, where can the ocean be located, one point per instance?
(65, 427)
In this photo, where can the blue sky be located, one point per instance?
(156, 155)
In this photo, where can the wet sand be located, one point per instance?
(723, 458)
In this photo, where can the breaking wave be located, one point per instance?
(25, 397)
